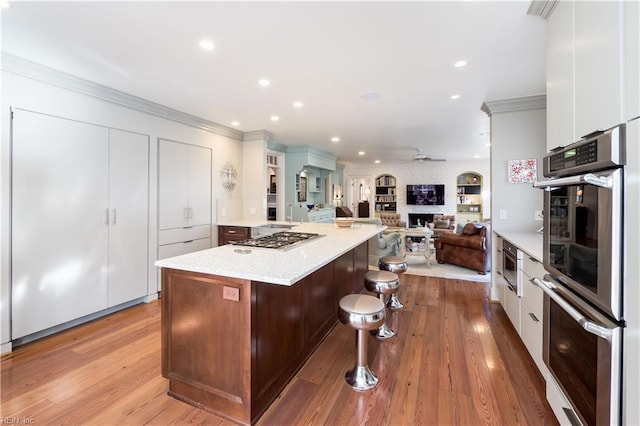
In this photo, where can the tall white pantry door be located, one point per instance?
(59, 221)
(128, 215)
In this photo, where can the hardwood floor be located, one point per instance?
(456, 360)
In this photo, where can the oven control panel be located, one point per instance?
(603, 151)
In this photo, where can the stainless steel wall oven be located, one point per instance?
(583, 255)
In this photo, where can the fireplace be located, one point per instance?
(422, 217)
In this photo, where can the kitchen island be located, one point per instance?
(238, 323)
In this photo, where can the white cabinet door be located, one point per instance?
(598, 65)
(184, 185)
(129, 207)
(172, 185)
(59, 229)
(199, 179)
(632, 59)
(560, 120)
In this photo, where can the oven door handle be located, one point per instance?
(590, 326)
(590, 178)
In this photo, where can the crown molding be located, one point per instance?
(514, 104)
(35, 71)
(542, 8)
(257, 135)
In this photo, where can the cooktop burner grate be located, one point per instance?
(279, 240)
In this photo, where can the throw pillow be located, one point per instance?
(441, 224)
(471, 229)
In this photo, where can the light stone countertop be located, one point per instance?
(273, 266)
(253, 223)
(529, 242)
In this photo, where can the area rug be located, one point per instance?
(418, 266)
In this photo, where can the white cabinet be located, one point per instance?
(560, 130)
(592, 69)
(322, 215)
(531, 306)
(598, 65)
(498, 282)
(184, 185)
(79, 220)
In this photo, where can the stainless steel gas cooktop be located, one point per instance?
(280, 240)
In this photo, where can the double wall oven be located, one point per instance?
(584, 258)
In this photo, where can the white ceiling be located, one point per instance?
(325, 54)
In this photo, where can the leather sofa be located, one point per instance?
(382, 244)
(443, 224)
(470, 249)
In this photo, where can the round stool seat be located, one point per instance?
(394, 264)
(381, 282)
(361, 311)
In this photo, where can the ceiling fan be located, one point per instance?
(420, 157)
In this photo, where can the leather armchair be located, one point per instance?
(392, 220)
(381, 244)
(470, 249)
(443, 224)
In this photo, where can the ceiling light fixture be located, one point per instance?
(461, 63)
(335, 139)
(275, 118)
(377, 161)
(206, 44)
(360, 152)
(235, 123)
(455, 97)
(264, 82)
(487, 145)
(298, 104)
(370, 95)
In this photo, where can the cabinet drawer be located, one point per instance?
(532, 267)
(512, 308)
(237, 232)
(177, 249)
(178, 235)
(531, 334)
(532, 296)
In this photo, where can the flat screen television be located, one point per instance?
(425, 195)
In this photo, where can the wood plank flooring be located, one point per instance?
(456, 361)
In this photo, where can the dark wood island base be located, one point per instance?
(230, 346)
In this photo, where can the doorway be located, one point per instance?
(359, 195)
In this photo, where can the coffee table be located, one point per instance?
(412, 244)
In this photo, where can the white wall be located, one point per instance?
(30, 94)
(516, 135)
(421, 173)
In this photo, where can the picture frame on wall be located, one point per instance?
(302, 194)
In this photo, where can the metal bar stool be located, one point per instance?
(397, 265)
(362, 312)
(383, 283)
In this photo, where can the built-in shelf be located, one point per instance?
(385, 194)
(469, 197)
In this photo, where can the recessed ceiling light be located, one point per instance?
(235, 123)
(264, 82)
(461, 63)
(360, 152)
(370, 95)
(455, 97)
(377, 161)
(206, 44)
(298, 104)
(275, 118)
(487, 145)
(335, 139)
(476, 156)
